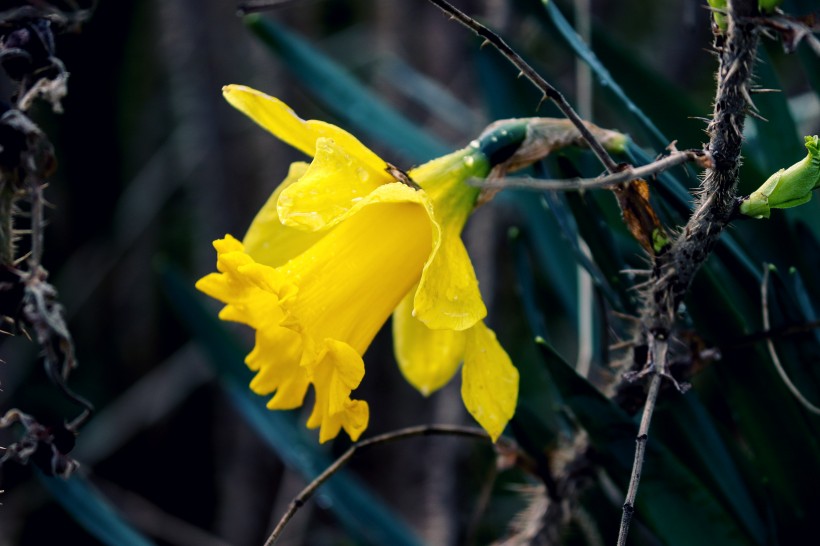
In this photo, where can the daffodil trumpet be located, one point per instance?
(344, 242)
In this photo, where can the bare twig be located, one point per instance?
(577, 184)
(527, 71)
(792, 30)
(656, 362)
(764, 305)
(781, 331)
(255, 6)
(410, 432)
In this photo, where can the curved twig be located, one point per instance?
(401, 434)
(764, 305)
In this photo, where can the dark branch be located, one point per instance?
(527, 71)
(577, 184)
(674, 270)
(411, 432)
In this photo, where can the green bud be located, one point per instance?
(787, 187)
(659, 240)
(720, 18)
(512, 144)
(767, 6)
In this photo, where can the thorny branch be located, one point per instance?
(673, 270)
(527, 71)
(27, 299)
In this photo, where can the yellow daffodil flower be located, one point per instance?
(342, 243)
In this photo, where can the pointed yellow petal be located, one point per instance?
(427, 358)
(273, 115)
(333, 184)
(489, 381)
(448, 297)
(270, 242)
(277, 117)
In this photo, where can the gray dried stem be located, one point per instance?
(621, 177)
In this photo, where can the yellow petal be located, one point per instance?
(353, 420)
(276, 356)
(334, 377)
(427, 358)
(352, 279)
(448, 295)
(257, 295)
(489, 381)
(333, 184)
(277, 117)
(252, 292)
(270, 242)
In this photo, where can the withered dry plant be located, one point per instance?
(29, 304)
(674, 259)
